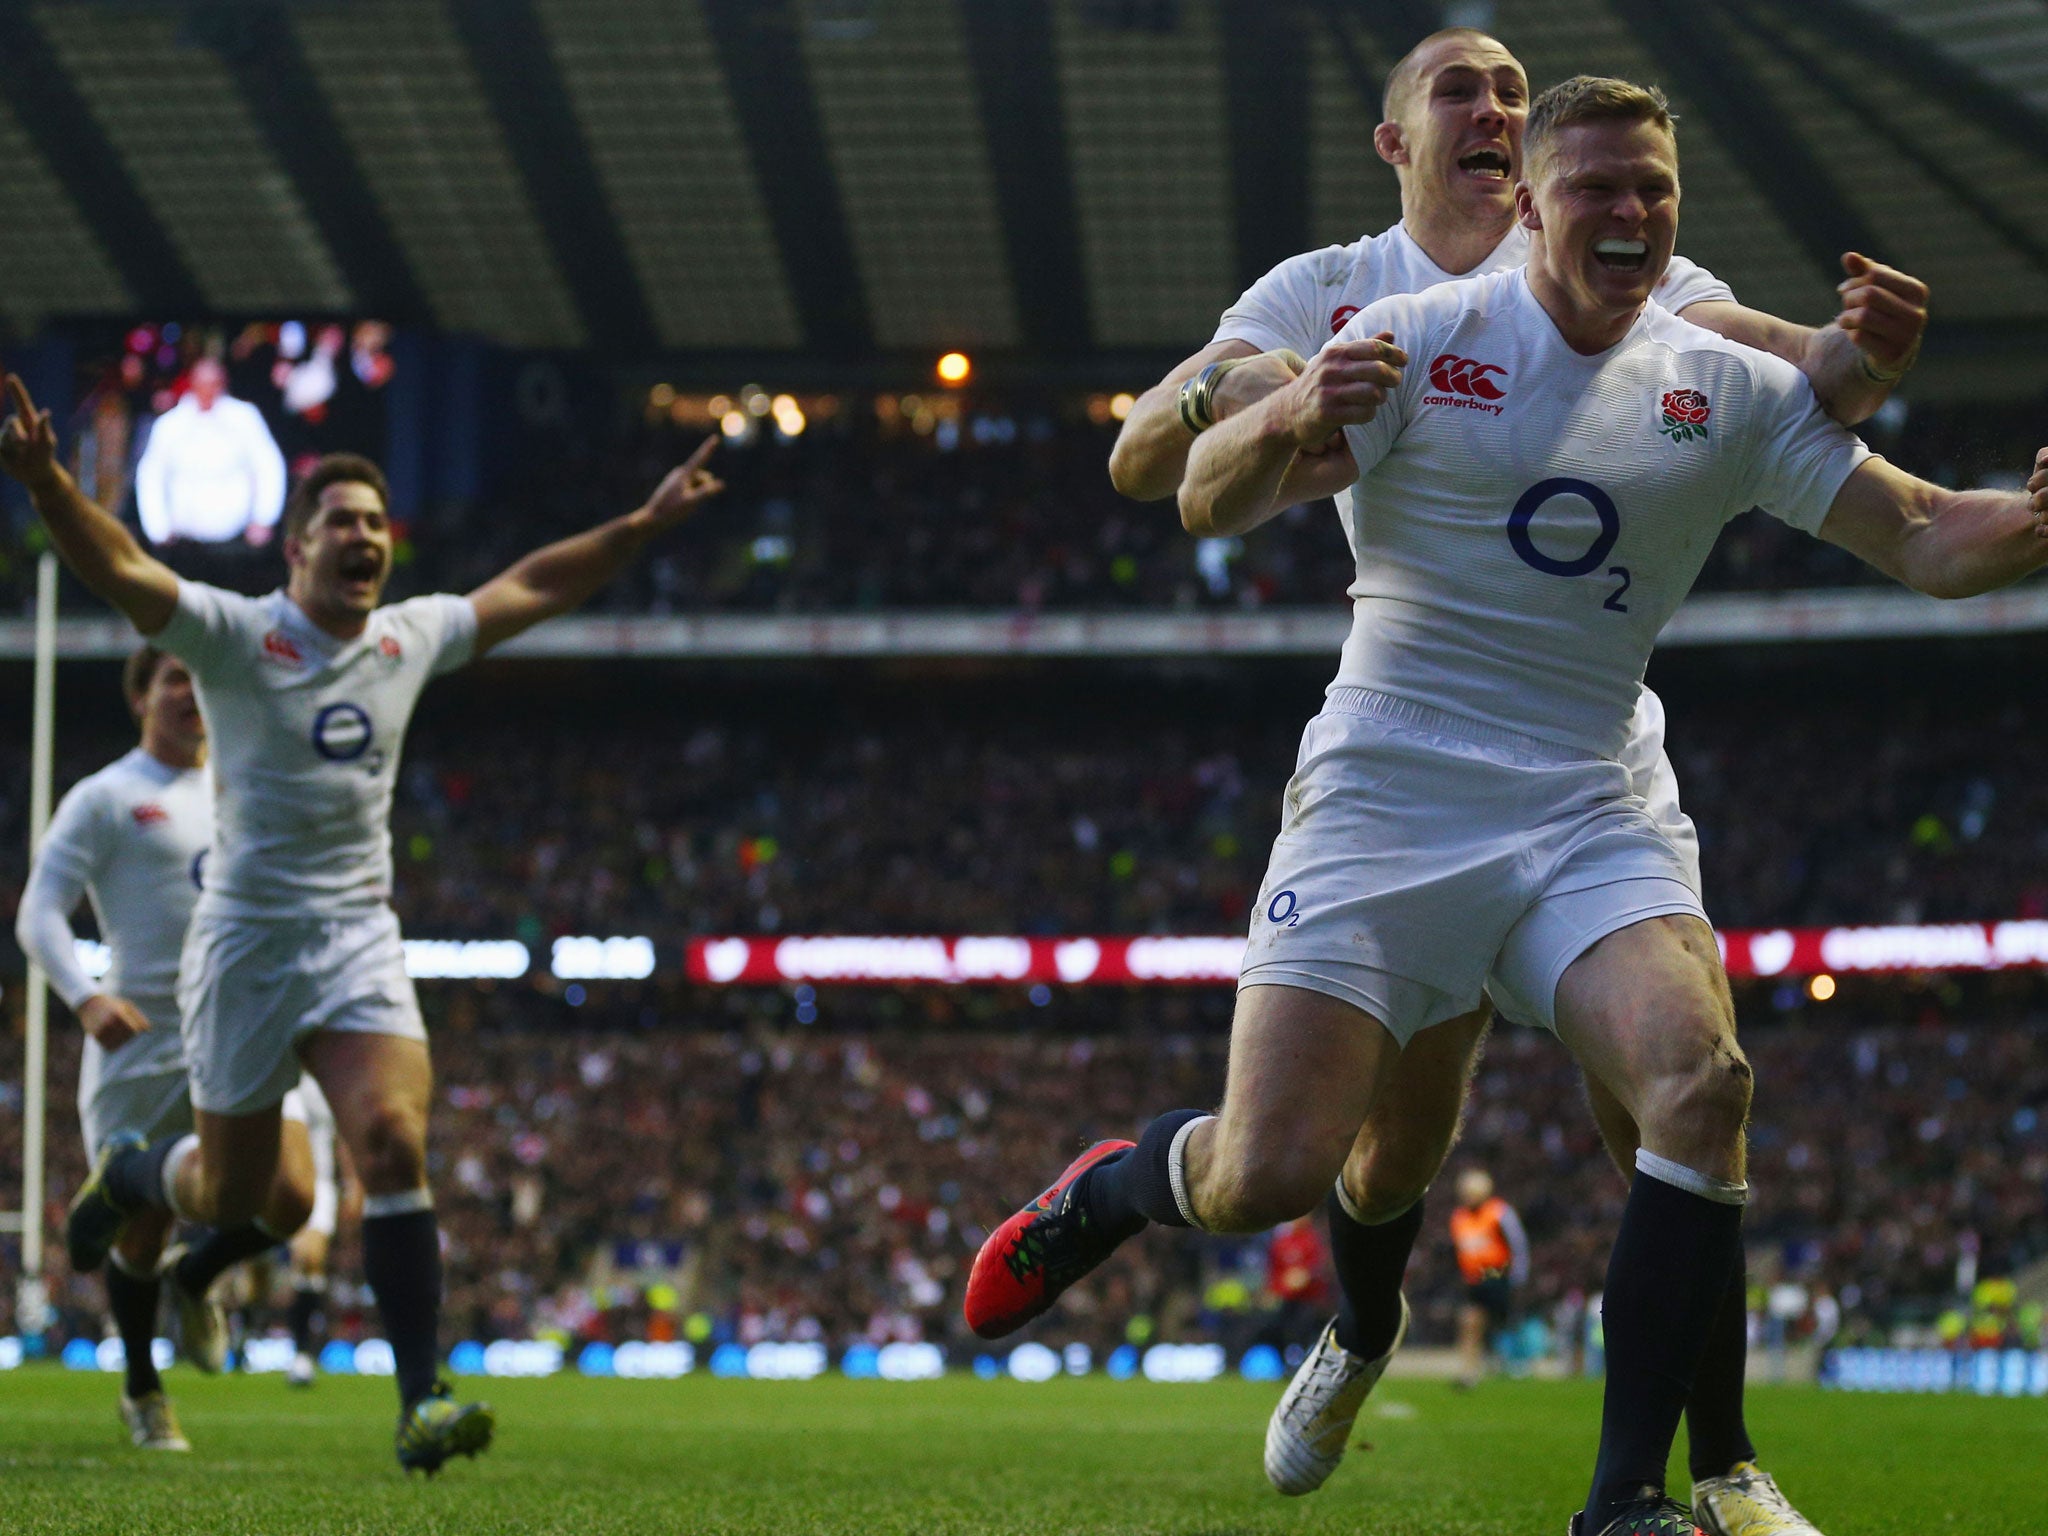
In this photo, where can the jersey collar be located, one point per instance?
(1512, 251)
(154, 769)
(295, 621)
(1554, 338)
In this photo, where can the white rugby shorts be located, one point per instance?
(151, 1106)
(1419, 851)
(251, 989)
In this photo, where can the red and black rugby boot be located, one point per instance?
(1035, 1255)
(1650, 1515)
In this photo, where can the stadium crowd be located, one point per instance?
(725, 1174)
(973, 502)
(1096, 802)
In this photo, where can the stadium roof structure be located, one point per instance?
(841, 181)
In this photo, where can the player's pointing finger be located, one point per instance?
(704, 451)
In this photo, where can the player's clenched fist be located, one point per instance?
(28, 443)
(1885, 310)
(1344, 386)
(2037, 494)
(110, 1020)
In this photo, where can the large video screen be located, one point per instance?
(194, 431)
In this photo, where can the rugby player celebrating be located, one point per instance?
(1454, 112)
(293, 953)
(1459, 808)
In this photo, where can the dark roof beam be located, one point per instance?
(261, 51)
(1821, 71)
(771, 94)
(58, 120)
(517, 71)
(1016, 79)
(1701, 60)
(1890, 47)
(1266, 103)
(1339, 19)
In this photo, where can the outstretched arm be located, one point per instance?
(1853, 364)
(100, 551)
(563, 575)
(1941, 542)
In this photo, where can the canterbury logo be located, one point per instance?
(280, 649)
(1467, 376)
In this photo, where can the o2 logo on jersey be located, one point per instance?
(1584, 564)
(1284, 910)
(341, 733)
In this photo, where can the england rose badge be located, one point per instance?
(1685, 415)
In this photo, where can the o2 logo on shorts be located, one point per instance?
(341, 733)
(1584, 564)
(1284, 910)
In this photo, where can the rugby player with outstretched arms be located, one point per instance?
(1454, 113)
(293, 954)
(132, 839)
(1459, 809)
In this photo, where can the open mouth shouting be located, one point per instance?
(1488, 164)
(1624, 256)
(363, 564)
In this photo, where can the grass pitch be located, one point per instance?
(1073, 1456)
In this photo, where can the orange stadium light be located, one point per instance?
(954, 369)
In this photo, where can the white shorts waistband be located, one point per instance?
(1391, 709)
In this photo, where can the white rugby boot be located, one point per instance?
(202, 1324)
(1306, 1436)
(1747, 1502)
(152, 1423)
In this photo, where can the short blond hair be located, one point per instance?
(1591, 99)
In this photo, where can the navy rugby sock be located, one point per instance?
(1370, 1262)
(402, 1262)
(305, 1311)
(1666, 1280)
(1715, 1431)
(132, 1300)
(135, 1178)
(1123, 1192)
(222, 1248)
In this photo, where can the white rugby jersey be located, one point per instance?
(133, 838)
(1307, 299)
(1529, 518)
(305, 731)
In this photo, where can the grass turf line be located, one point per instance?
(583, 1458)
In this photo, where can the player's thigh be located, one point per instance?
(1414, 1122)
(379, 1087)
(1646, 1010)
(1305, 1068)
(238, 1157)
